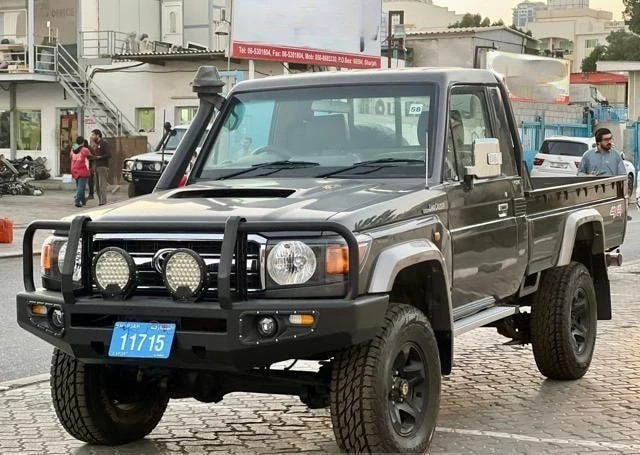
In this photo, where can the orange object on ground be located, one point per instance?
(6, 230)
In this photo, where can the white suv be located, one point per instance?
(560, 156)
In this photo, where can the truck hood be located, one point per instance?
(357, 204)
(153, 156)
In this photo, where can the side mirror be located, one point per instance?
(487, 160)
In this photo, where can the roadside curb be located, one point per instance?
(15, 255)
(23, 382)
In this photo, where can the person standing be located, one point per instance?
(603, 160)
(80, 155)
(101, 155)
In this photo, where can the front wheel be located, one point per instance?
(131, 190)
(385, 394)
(563, 322)
(103, 404)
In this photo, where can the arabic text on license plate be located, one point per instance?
(559, 165)
(142, 340)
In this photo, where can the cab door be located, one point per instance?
(486, 250)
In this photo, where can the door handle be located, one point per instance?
(502, 210)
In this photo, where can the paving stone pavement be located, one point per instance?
(495, 402)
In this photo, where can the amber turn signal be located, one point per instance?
(45, 257)
(39, 310)
(338, 258)
(305, 320)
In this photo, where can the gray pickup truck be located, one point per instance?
(377, 215)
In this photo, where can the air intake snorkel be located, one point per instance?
(208, 86)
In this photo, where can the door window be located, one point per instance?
(468, 121)
(503, 132)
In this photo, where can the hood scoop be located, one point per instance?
(250, 193)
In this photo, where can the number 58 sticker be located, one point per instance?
(616, 211)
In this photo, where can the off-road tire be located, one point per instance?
(564, 322)
(362, 380)
(131, 190)
(87, 411)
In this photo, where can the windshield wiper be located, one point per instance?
(284, 164)
(383, 162)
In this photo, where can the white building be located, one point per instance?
(419, 14)
(73, 65)
(525, 12)
(572, 33)
(568, 4)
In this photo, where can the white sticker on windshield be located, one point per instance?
(415, 109)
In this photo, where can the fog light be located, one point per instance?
(114, 272)
(57, 318)
(267, 326)
(184, 274)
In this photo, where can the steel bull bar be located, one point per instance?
(235, 230)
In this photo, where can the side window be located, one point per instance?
(509, 167)
(468, 121)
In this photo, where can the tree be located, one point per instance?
(475, 20)
(620, 45)
(631, 14)
(589, 63)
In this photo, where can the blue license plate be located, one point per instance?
(142, 340)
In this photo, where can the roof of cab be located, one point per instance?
(442, 76)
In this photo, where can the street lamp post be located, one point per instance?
(224, 29)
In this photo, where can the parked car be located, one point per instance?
(560, 156)
(327, 242)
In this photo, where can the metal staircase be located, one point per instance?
(97, 106)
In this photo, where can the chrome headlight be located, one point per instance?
(291, 262)
(128, 165)
(77, 268)
(139, 165)
(184, 274)
(157, 167)
(114, 272)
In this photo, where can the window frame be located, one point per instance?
(138, 111)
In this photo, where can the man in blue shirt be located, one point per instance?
(603, 160)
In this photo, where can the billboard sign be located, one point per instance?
(341, 33)
(531, 77)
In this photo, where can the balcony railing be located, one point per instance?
(104, 44)
(14, 59)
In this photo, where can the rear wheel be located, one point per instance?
(385, 394)
(103, 404)
(564, 322)
(630, 183)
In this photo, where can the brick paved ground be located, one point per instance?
(495, 402)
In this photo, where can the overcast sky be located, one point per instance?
(503, 9)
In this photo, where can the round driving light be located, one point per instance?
(267, 326)
(184, 274)
(77, 268)
(157, 167)
(138, 165)
(57, 318)
(114, 272)
(291, 262)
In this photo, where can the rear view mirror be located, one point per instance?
(487, 159)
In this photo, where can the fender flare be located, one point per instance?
(571, 226)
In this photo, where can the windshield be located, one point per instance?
(330, 127)
(564, 148)
(173, 141)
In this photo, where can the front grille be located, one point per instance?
(150, 280)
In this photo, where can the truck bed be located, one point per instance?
(553, 200)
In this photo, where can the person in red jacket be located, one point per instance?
(80, 169)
